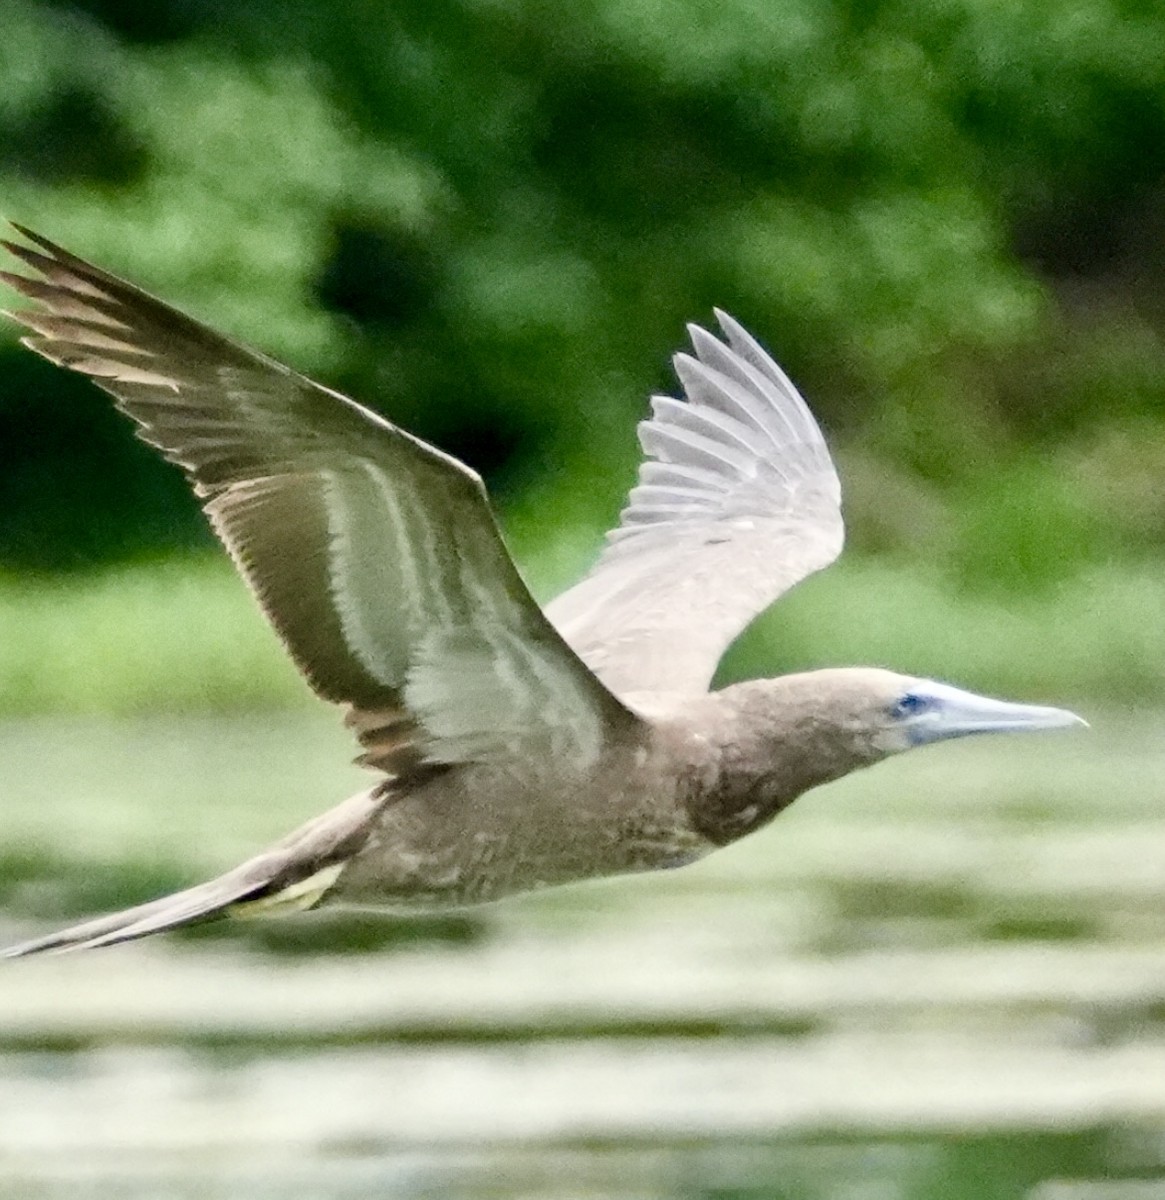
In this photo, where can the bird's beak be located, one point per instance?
(955, 713)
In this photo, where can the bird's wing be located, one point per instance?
(374, 555)
(737, 501)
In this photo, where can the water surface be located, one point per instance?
(944, 977)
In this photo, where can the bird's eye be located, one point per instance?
(911, 705)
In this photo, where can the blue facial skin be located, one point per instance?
(912, 704)
(932, 712)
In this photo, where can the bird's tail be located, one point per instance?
(211, 899)
(290, 877)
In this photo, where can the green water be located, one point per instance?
(942, 978)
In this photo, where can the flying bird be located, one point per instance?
(516, 747)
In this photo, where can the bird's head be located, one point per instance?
(867, 713)
(780, 737)
(855, 716)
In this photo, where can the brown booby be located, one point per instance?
(517, 748)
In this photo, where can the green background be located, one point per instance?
(492, 221)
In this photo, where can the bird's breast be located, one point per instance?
(477, 835)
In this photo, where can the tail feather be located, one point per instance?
(291, 876)
(199, 903)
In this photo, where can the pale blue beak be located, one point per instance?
(933, 712)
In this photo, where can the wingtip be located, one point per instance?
(47, 253)
(38, 261)
(16, 248)
(32, 236)
(729, 325)
(707, 343)
(684, 364)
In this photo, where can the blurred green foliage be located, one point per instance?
(946, 218)
(185, 636)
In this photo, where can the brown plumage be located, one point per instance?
(518, 748)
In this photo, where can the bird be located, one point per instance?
(515, 747)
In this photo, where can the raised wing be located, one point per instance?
(374, 555)
(737, 501)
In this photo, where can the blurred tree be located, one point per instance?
(492, 219)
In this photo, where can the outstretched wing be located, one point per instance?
(374, 555)
(737, 501)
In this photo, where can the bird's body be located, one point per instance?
(682, 784)
(518, 748)
(487, 832)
